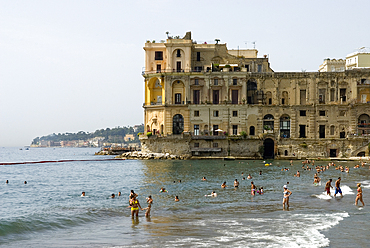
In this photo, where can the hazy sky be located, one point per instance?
(67, 66)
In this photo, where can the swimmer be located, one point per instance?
(119, 193)
(112, 196)
(177, 199)
(179, 181)
(253, 188)
(163, 190)
(328, 186)
(134, 205)
(359, 195)
(286, 195)
(204, 179)
(7, 181)
(244, 177)
(249, 176)
(214, 194)
(223, 185)
(25, 182)
(260, 172)
(83, 194)
(337, 187)
(133, 193)
(236, 183)
(149, 200)
(260, 191)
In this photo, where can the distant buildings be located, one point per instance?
(206, 100)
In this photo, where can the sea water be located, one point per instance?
(49, 211)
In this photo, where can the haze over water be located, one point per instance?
(49, 212)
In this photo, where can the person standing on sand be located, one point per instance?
(286, 195)
(337, 187)
(359, 195)
(328, 186)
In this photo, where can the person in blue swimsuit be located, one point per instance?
(286, 195)
(337, 187)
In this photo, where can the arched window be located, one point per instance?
(284, 99)
(332, 129)
(251, 130)
(251, 92)
(268, 123)
(285, 126)
(178, 124)
(268, 98)
(363, 124)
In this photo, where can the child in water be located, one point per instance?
(163, 190)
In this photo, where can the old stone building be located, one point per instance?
(206, 100)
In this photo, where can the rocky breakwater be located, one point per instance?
(149, 155)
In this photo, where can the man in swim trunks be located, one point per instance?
(337, 187)
(135, 205)
(328, 186)
(253, 188)
(236, 183)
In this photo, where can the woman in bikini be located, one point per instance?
(135, 205)
(286, 195)
(359, 195)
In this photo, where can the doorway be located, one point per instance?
(333, 152)
(269, 149)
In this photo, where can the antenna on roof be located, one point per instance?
(167, 34)
(254, 44)
(217, 40)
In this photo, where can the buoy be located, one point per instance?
(267, 164)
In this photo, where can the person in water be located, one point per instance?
(337, 187)
(286, 195)
(7, 181)
(83, 194)
(204, 179)
(177, 199)
(328, 186)
(253, 188)
(149, 200)
(163, 190)
(359, 195)
(223, 185)
(236, 183)
(249, 176)
(214, 194)
(112, 196)
(119, 193)
(135, 205)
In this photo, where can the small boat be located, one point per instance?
(229, 158)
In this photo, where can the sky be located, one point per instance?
(69, 66)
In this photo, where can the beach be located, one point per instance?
(49, 211)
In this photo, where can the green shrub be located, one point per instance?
(243, 133)
(149, 134)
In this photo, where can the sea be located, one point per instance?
(49, 211)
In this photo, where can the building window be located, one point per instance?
(215, 127)
(196, 144)
(235, 129)
(247, 67)
(322, 93)
(178, 66)
(302, 112)
(177, 98)
(259, 68)
(198, 56)
(332, 95)
(286, 153)
(216, 96)
(322, 131)
(342, 113)
(196, 113)
(235, 113)
(343, 96)
(196, 96)
(159, 68)
(196, 129)
(215, 81)
(198, 68)
(302, 131)
(332, 129)
(302, 97)
(270, 101)
(322, 112)
(215, 113)
(342, 134)
(282, 101)
(178, 53)
(235, 81)
(251, 130)
(158, 56)
(215, 145)
(196, 81)
(234, 96)
(285, 127)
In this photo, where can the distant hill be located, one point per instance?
(108, 135)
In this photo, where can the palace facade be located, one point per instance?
(205, 100)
